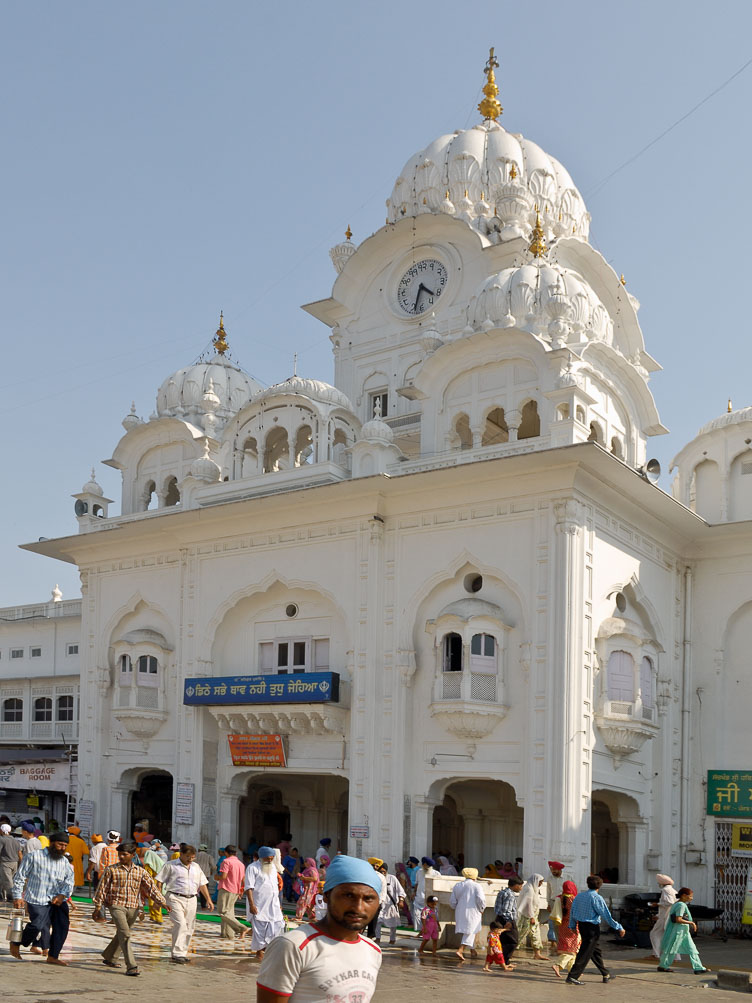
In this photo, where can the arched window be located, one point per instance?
(616, 447)
(463, 432)
(65, 708)
(647, 687)
(276, 451)
(452, 661)
(303, 446)
(530, 424)
(339, 447)
(43, 709)
(147, 670)
(172, 494)
(483, 654)
(12, 711)
(496, 430)
(580, 413)
(621, 676)
(562, 412)
(126, 670)
(149, 497)
(596, 433)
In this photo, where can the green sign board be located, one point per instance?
(730, 793)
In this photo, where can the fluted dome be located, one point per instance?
(491, 175)
(376, 430)
(738, 417)
(182, 394)
(314, 390)
(544, 299)
(91, 487)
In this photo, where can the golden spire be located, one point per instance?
(490, 108)
(622, 279)
(220, 338)
(538, 244)
(513, 171)
(348, 232)
(730, 409)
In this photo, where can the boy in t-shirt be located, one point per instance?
(309, 964)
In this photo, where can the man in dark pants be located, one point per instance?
(506, 914)
(588, 909)
(44, 881)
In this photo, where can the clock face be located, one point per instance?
(421, 286)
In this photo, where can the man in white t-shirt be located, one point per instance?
(331, 959)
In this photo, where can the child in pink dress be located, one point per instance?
(430, 924)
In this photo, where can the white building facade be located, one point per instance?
(478, 626)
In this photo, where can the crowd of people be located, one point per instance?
(330, 892)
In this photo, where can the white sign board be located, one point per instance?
(184, 794)
(36, 777)
(359, 831)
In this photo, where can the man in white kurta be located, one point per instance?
(468, 901)
(427, 870)
(262, 901)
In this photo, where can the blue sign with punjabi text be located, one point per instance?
(303, 687)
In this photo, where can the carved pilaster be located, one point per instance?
(569, 516)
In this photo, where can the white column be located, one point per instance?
(423, 807)
(227, 816)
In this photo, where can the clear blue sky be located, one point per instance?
(163, 160)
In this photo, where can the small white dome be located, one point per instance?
(182, 394)
(543, 299)
(377, 430)
(485, 170)
(314, 390)
(131, 420)
(204, 468)
(91, 487)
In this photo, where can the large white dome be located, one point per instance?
(182, 394)
(490, 173)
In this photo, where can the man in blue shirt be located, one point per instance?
(505, 908)
(588, 909)
(44, 881)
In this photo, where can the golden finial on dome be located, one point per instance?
(220, 338)
(490, 108)
(513, 171)
(730, 409)
(348, 232)
(622, 279)
(538, 244)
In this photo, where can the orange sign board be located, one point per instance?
(257, 750)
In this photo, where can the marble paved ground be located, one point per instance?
(230, 968)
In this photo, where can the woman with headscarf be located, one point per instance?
(568, 941)
(528, 907)
(667, 899)
(153, 864)
(447, 868)
(468, 901)
(309, 879)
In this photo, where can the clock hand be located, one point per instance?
(421, 288)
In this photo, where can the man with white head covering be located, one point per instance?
(528, 906)
(263, 908)
(10, 855)
(330, 959)
(468, 901)
(427, 869)
(667, 899)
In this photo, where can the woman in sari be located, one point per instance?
(309, 879)
(677, 938)
(568, 941)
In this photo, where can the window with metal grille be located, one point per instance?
(65, 708)
(71, 649)
(43, 709)
(12, 711)
(35, 652)
(16, 652)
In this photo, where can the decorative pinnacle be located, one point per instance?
(730, 409)
(622, 279)
(348, 232)
(513, 171)
(220, 338)
(490, 108)
(538, 244)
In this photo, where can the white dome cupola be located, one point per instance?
(492, 178)
(187, 392)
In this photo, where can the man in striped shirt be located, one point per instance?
(44, 881)
(122, 887)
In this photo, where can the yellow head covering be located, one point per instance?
(470, 872)
(376, 862)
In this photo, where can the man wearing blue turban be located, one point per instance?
(332, 953)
